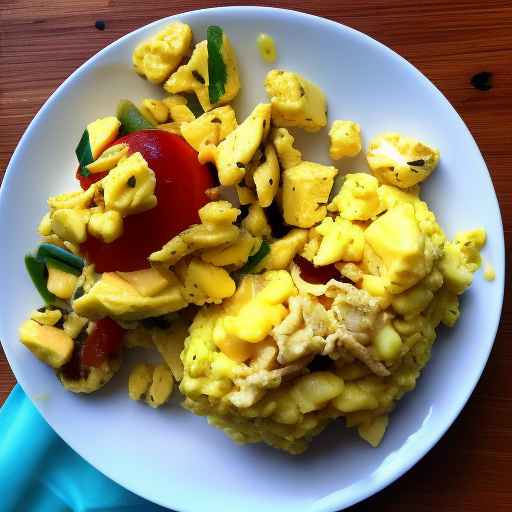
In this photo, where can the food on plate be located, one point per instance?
(279, 295)
(267, 48)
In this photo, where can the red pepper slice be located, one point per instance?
(103, 342)
(181, 182)
(316, 275)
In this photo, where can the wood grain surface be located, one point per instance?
(41, 43)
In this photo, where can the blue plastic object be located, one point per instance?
(41, 473)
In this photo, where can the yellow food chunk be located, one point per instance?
(287, 155)
(148, 282)
(341, 240)
(46, 317)
(75, 200)
(245, 195)
(101, 133)
(387, 343)
(256, 222)
(311, 392)
(169, 343)
(266, 177)
(235, 348)
(210, 128)
(218, 213)
(401, 161)
(109, 158)
(173, 127)
(358, 198)
(373, 430)
(45, 226)
(139, 380)
(193, 76)
(157, 109)
(461, 259)
(129, 187)
(115, 297)
(108, 226)
(213, 281)
(445, 308)
(345, 139)
(354, 398)
(413, 301)
(174, 99)
(157, 57)
(350, 271)
(306, 189)
(376, 286)
(236, 151)
(267, 48)
(49, 344)
(70, 224)
(181, 114)
(256, 318)
(161, 387)
(295, 101)
(195, 238)
(235, 254)
(397, 240)
(74, 324)
(283, 250)
(489, 272)
(390, 196)
(60, 283)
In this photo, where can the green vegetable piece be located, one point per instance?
(131, 119)
(60, 265)
(255, 259)
(217, 73)
(193, 104)
(58, 253)
(84, 153)
(37, 272)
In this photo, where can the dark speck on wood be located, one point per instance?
(482, 81)
(100, 25)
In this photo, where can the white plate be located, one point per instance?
(170, 456)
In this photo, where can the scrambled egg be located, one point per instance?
(193, 76)
(295, 101)
(265, 354)
(157, 57)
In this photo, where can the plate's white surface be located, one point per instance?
(170, 456)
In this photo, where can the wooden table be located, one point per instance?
(43, 42)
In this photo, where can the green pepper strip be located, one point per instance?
(84, 153)
(217, 74)
(55, 252)
(255, 259)
(37, 272)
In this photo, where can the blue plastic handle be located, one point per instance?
(40, 473)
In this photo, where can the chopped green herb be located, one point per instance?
(193, 104)
(37, 272)
(132, 181)
(131, 119)
(217, 72)
(84, 153)
(58, 253)
(255, 259)
(78, 293)
(198, 76)
(417, 163)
